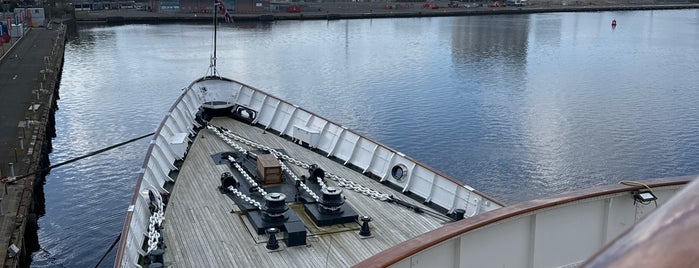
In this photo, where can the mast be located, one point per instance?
(212, 68)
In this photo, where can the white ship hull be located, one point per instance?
(373, 159)
(556, 232)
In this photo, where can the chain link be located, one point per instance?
(246, 175)
(303, 185)
(156, 219)
(342, 182)
(244, 197)
(274, 152)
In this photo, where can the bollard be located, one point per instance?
(364, 231)
(12, 169)
(272, 243)
(21, 143)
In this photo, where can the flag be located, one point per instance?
(222, 6)
(227, 16)
(224, 11)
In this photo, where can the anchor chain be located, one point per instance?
(342, 182)
(296, 179)
(244, 197)
(246, 175)
(248, 178)
(155, 220)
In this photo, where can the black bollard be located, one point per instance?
(156, 256)
(365, 231)
(272, 243)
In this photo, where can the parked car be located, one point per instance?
(518, 3)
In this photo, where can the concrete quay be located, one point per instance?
(30, 69)
(368, 10)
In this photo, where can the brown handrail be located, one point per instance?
(413, 246)
(668, 237)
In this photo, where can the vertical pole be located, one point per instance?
(21, 143)
(12, 169)
(215, 33)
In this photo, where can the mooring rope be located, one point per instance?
(109, 250)
(81, 157)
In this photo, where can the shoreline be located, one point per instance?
(134, 16)
(26, 137)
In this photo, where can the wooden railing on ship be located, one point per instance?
(434, 243)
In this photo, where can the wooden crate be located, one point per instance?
(269, 169)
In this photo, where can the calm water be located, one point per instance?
(519, 107)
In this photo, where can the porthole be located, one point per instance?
(399, 172)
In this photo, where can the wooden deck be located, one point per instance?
(203, 227)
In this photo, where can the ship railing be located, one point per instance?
(167, 146)
(671, 231)
(372, 158)
(365, 154)
(561, 231)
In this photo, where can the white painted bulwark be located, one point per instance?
(156, 167)
(352, 148)
(508, 244)
(552, 236)
(215, 93)
(289, 121)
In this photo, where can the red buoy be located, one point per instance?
(613, 22)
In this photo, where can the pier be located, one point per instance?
(368, 10)
(30, 71)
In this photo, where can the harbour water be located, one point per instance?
(519, 107)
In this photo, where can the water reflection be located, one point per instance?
(518, 107)
(498, 38)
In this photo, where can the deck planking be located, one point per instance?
(201, 228)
